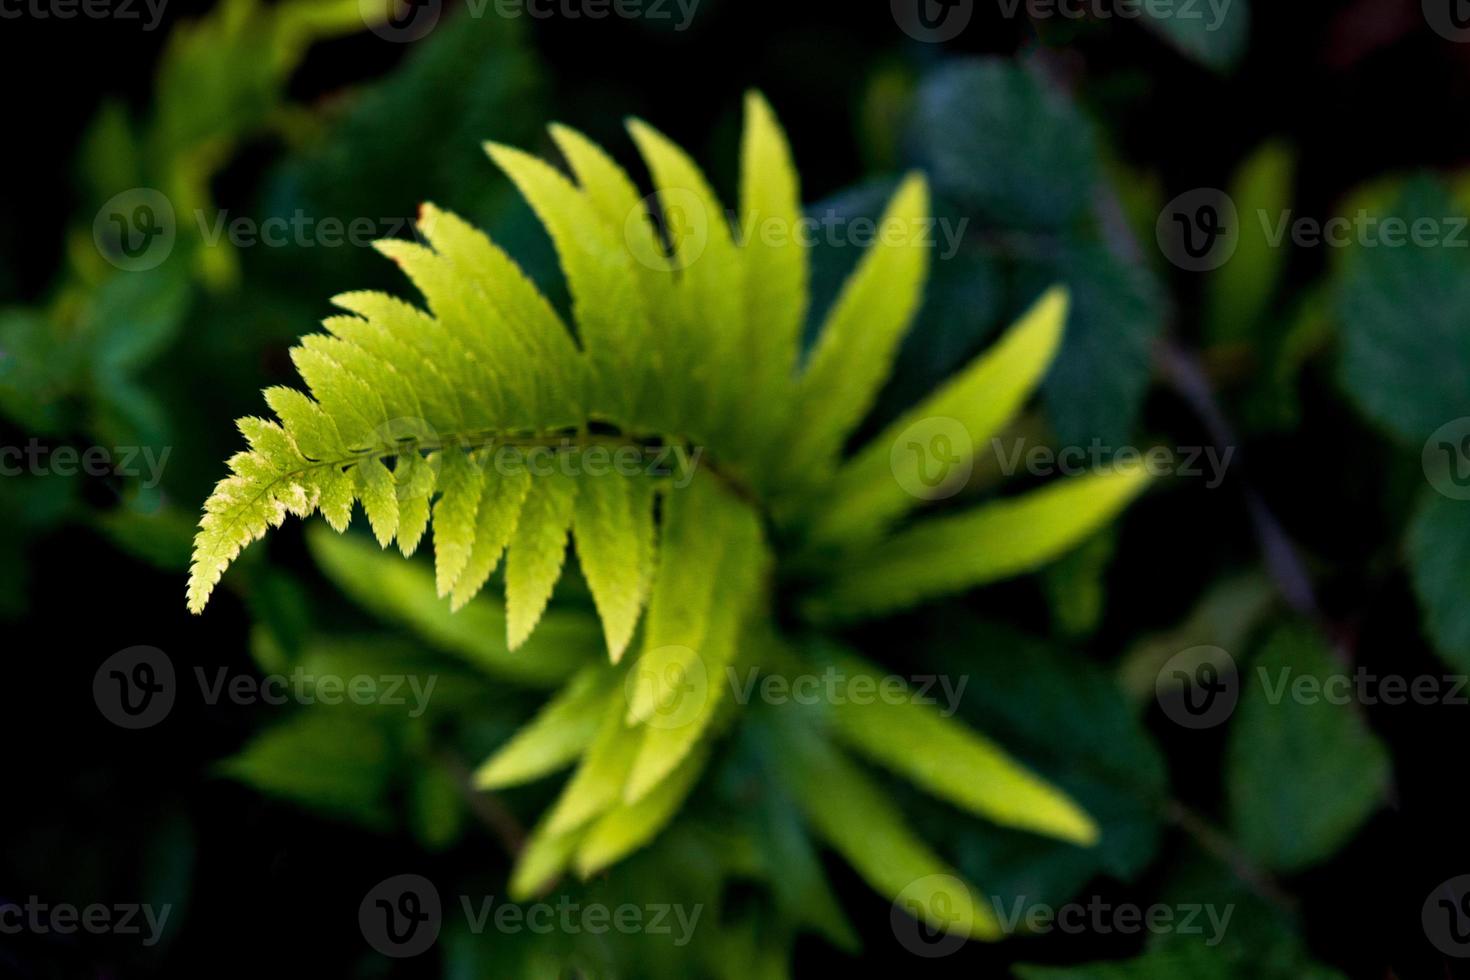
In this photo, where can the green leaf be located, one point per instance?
(1239, 293)
(1095, 389)
(537, 551)
(1214, 35)
(462, 484)
(500, 512)
(629, 826)
(709, 301)
(944, 555)
(1002, 144)
(1405, 315)
(556, 737)
(1287, 755)
(916, 741)
(403, 592)
(855, 817)
(688, 683)
(854, 352)
(613, 526)
(776, 261)
(606, 303)
(597, 785)
(1439, 556)
(1064, 718)
(339, 762)
(876, 487)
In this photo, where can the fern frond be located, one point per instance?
(503, 432)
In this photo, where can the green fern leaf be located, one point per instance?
(916, 741)
(684, 341)
(597, 785)
(858, 820)
(537, 550)
(873, 489)
(556, 737)
(855, 350)
(945, 555)
(613, 526)
(628, 826)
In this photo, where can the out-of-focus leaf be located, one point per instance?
(852, 814)
(1075, 588)
(962, 300)
(1005, 147)
(337, 762)
(1224, 617)
(1239, 292)
(1405, 314)
(945, 555)
(403, 592)
(1067, 721)
(436, 807)
(162, 539)
(1214, 34)
(1096, 386)
(556, 736)
(1439, 553)
(134, 315)
(1288, 755)
(917, 741)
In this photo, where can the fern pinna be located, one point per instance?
(490, 421)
